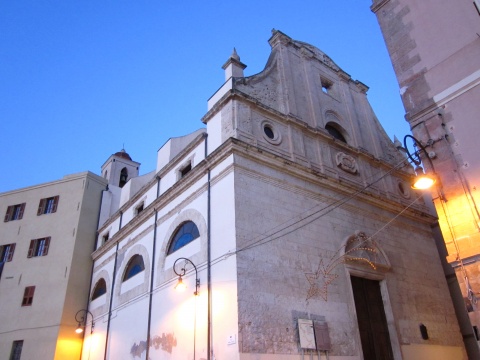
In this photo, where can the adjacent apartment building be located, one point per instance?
(435, 51)
(46, 239)
(291, 221)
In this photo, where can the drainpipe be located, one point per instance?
(93, 264)
(149, 324)
(152, 273)
(111, 294)
(209, 258)
(111, 298)
(209, 273)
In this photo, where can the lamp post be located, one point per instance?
(81, 318)
(181, 285)
(421, 181)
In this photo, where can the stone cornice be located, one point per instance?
(333, 184)
(169, 195)
(378, 5)
(262, 155)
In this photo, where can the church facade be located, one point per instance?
(290, 219)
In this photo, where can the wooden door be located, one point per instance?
(372, 323)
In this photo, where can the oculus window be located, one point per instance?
(185, 233)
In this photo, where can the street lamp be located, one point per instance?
(422, 181)
(181, 285)
(81, 318)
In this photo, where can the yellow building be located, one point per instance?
(46, 240)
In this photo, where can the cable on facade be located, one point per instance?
(332, 207)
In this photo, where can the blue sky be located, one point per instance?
(81, 79)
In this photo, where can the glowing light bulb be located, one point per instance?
(422, 181)
(180, 285)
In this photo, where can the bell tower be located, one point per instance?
(119, 168)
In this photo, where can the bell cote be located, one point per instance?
(119, 168)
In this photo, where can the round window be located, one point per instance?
(270, 133)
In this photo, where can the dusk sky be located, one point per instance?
(79, 80)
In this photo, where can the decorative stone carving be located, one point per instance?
(347, 163)
(362, 249)
(403, 189)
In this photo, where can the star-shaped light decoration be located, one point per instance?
(319, 281)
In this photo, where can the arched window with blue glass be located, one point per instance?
(135, 265)
(99, 289)
(185, 233)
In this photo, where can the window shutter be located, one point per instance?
(55, 203)
(22, 209)
(45, 248)
(28, 295)
(11, 251)
(1, 252)
(31, 248)
(9, 213)
(25, 296)
(41, 207)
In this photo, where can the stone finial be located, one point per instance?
(397, 142)
(233, 67)
(235, 55)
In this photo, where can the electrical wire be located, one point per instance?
(267, 239)
(328, 208)
(30, 328)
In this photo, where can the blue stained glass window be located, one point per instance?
(134, 266)
(100, 289)
(185, 233)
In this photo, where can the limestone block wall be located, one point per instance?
(284, 236)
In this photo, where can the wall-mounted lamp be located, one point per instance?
(81, 318)
(181, 285)
(421, 181)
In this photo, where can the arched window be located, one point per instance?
(123, 177)
(335, 132)
(100, 289)
(135, 265)
(185, 233)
